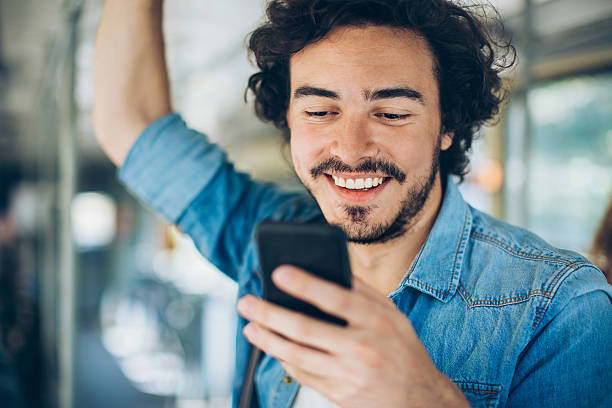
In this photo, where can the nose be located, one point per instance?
(353, 140)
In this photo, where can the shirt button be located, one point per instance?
(288, 380)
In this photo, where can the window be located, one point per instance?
(569, 158)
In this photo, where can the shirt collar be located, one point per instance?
(437, 267)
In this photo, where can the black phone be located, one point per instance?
(318, 248)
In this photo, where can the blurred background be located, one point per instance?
(103, 304)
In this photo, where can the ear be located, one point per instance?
(446, 140)
(288, 118)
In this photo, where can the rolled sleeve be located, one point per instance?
(169, 164)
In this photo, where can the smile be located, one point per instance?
(358, 189)
(358, 183)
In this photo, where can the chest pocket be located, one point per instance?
(481, 395)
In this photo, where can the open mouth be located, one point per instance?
(358, 184)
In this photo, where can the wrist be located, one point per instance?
(437, 391)
(450, 395)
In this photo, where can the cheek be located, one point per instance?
(414, 149)
(407, 152)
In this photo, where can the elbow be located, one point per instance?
(114, 134)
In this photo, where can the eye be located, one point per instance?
(320, 114)
(392, 116)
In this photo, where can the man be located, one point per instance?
(379, 100)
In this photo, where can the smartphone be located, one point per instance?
(318, 248)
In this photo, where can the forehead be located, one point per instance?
(370, 56)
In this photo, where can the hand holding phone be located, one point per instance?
(317, 248)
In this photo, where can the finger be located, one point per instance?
(293, 325)
(315, 362)
(327, 296)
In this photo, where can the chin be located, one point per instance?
(366, 225)
(361, 226)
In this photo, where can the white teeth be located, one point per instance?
(357, 184)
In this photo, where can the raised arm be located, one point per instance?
(131, 86)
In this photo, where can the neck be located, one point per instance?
(383, 266)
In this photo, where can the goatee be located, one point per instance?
(357, 228)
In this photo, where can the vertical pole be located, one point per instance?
(526, 153)
(66, 189)
(518, 136)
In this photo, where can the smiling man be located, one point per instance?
(379, 100)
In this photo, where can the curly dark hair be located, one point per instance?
(464, 51)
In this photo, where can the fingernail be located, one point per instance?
(243, 305)
(248, 330)
(281, 274)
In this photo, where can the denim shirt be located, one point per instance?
(513, 321)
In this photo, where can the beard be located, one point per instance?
(358, 229)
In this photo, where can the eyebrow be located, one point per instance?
(390, 93)
(386, 93)
(312, 91)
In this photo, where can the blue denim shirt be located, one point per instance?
(511, 320)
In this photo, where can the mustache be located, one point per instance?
(384, 167)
